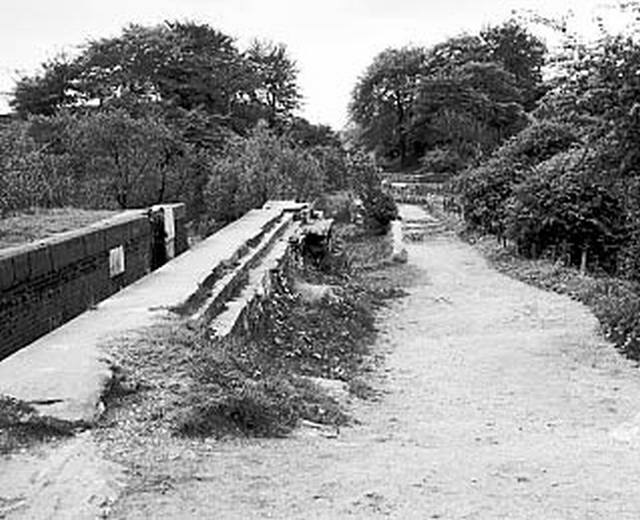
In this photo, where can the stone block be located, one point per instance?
(6, 273)
(40, 261)
(21, 269)
(139, 228)
(67, 250)
(94, 242)
(117, 234)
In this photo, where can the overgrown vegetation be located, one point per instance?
(175, 112)
(564, 190)
(22, 426)
(264, 384)
(566, 186)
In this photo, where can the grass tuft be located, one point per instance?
(22, 426)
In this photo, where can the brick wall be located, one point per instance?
(45, 284)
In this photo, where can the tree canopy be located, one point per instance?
(168, 112)
(178, 65)
(460, 98)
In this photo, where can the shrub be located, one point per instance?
(22, 171)
(379, 210)
(486, 189)
(567, 205)
(379, 207)
(441, 160)
(258, 168)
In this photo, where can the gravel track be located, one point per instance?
(500, 401)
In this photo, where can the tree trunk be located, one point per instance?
(403, 150)
(583, 262)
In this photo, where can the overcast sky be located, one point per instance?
(332, 41)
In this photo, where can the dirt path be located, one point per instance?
(500, 402)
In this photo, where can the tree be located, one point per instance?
(383, 98)
(276, 80)
(23, 182)
(447, 56)
(308, 135)
(260, 167)
(177, 65)
(462, 97)
(468, 111)
(520, 53)
(113, 159)
(43, 93)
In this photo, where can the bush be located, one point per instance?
(379, 210)
(339, 206)
(379, 207)
(441, 160)
(258, 168)
(566, 205)
(23, 182)
(486, 189)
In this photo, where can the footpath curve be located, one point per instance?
(500, 401)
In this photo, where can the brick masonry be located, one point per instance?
(47, 283)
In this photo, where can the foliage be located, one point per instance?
(136, 162)
(441, 160)
(521, 54)
(486, 189)
(465, 95)
(468, 112)
(379, 207)
(276, 88)
(174, 111)
(307, 135)
(383, 99)
(562, 206)
(42, 93)
(22, 180)
(258, 168)
(176, 65)
(115, 160)
(584, 200)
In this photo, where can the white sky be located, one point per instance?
(332, 41)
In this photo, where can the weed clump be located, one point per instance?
(21, 425)
(261, 384)
(266, 381)
(257, 385)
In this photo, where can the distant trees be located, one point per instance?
(169, 112)
(383, 101)
(446, 106)
(179, 65)
(275, 77)
(261, 167)
(521, 54)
